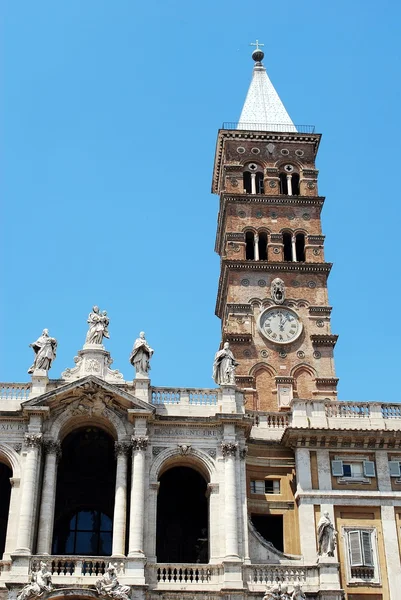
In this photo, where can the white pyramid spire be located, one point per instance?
(263, 109)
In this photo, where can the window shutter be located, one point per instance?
(337, 468)
(369, 468)
(355, 550)
(259, 487)
(367, 548)
(276, 486)
(395, 470)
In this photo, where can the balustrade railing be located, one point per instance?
(76, 566)
(195, 396)
(183, 574)
(273, 420)
(14, 391)
(346, 410)
(269, 574)
(391, 411)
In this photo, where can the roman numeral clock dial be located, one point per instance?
(280, 325)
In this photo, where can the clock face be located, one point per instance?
(280, 325)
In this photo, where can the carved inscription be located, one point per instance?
(10, 426)
(184, 432)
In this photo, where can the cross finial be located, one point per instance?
(257, 44)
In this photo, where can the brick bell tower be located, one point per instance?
(272, 297)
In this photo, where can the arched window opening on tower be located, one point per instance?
(287, 241)
(247, 182)
(300, 247)
(85, 494)
(182, 533)
(5, 492)
(260, 188)
(250, 245)
(262, 246)
(295, 184)
(283, 184)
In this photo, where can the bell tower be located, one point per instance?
(272, 296)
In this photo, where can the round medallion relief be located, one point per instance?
(247, 353)
(255, 150)
(285, 152)
(320, 323)
(301, 354)
(317, 354)
(299, 152)
(262, 283)
(241, 214)
(316, 251)
(282, 354)
(264, 353)
(272, 184)
(240, 149)
(245, 282)
(311, 284)
(311, 185)
(306, 217)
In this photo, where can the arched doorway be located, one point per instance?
(5, 493)
(182, 534)
(85, 494)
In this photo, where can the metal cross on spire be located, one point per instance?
(258, 44)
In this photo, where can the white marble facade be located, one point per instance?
(155, 428)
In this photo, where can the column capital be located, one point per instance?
(121, 448)
(243, 452)
(52, 447)
(229, 448)
(33, 440)
(139, 442)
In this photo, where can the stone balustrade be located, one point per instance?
(182, 576)
(257, 577)
(203, 396)
(62, 567)
(14, 391)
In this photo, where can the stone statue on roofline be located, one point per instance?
(98, 322)
(141, 355)
(224, 366)
(45, 352)
(41, 582)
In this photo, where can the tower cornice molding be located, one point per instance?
(265, 267)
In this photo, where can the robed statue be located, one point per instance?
(326, 536)
(41, 581)
(141, 355)
(45, 352)
(110, 587)
(224, 366)
(98, 323)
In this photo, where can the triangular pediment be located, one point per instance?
(90, 394)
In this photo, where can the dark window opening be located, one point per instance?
(270, 528)
(5, 493)
(249, 245)
(300, 247)
(287, 246)
(283, 184)
(295, 184)
(85, 493)
(260, 188)
(262, 244)
(182, 517)
(247, 182)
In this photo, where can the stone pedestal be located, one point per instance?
(135, 571)
(229, 404)
(329, 574)
(39, 383)
(93, 359)
(142, 388)
(232, 575)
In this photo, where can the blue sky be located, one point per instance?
(110, 112)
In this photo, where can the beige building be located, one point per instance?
(266, 484)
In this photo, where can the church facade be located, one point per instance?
(265, 486)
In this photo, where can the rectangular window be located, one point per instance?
(395, 470)
(268, 486)
(361, 554)
(358, 470)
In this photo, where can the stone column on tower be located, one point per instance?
(47, 503)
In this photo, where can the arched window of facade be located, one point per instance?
(253, 179)
(304, 385)
(262, 245)
(250, 245)
(182, 531)
(265, 387)
(287, 241)
(5, 493)
(85, 493)
(300, 247)
(289, 181)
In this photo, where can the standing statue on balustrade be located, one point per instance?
(224, 366)
(141, 355)
(98, 323)
(326, 536)
(41, 582)
(45, 352)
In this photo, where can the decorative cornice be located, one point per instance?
(342, 438)
(316, 239)
(139, 442)
(229, 448)
(238, 338)
(235, 236)
(243, 380)
(320, 310)
(324, 339)
(327, 380)
(281, 379)
(246, 308)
